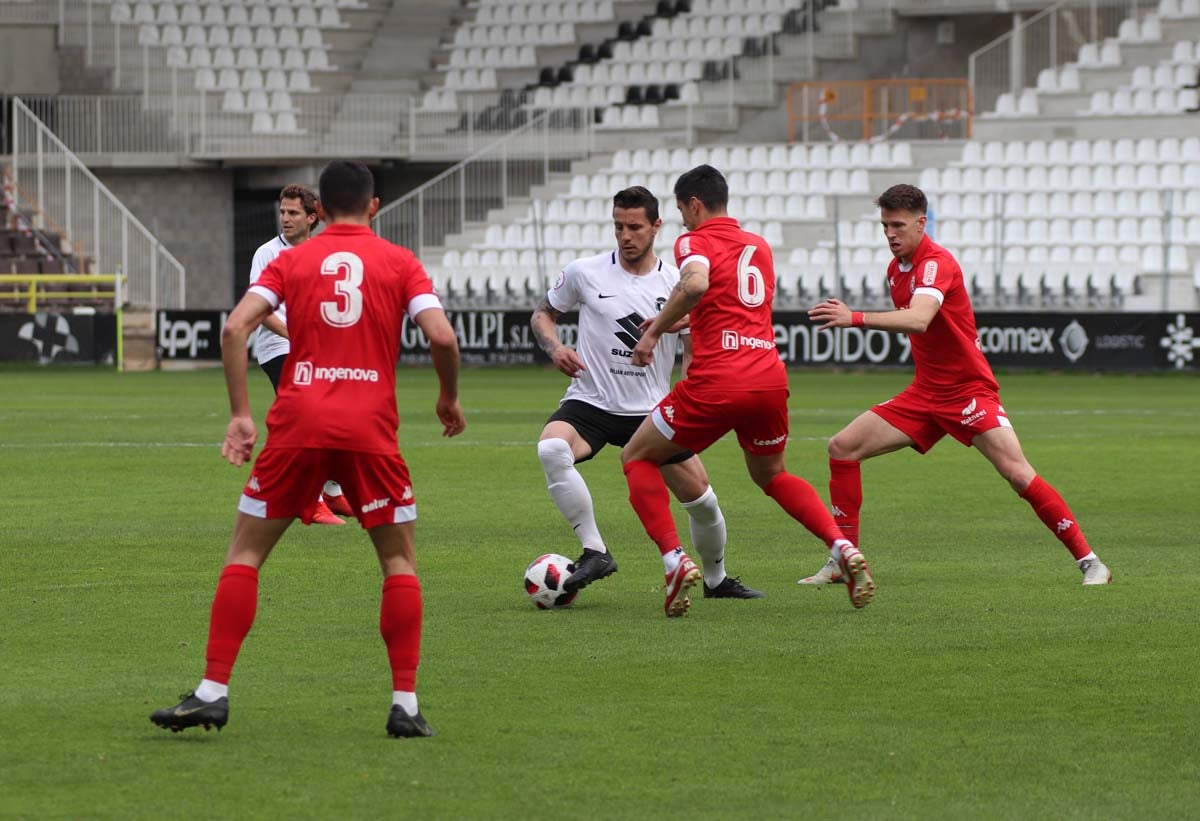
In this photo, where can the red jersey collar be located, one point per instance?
(718, 221)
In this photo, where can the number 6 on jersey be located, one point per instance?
(350, 268)
(751, 289)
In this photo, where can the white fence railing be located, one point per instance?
(1048, 39)
(462, 196)
(62, 196)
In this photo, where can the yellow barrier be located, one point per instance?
(876, 109)
(35, 290)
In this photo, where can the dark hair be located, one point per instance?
(307, 197)
(903, 198)
(638, 197)
(346, 188)
(706, 184)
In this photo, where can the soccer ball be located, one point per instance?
(544, 581)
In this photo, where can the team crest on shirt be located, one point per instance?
(562, 278)
(930, 275)
(659, 303)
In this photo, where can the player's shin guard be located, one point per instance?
(400, 613)
(707, 526)
(233, 608)
(845, 495)
(569, 491)
(1055, 515)
(802, 503)
(652, 502)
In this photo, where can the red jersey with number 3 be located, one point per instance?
(347, 292)
(733, 337)
(948, 356)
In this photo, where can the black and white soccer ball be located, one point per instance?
(544, 581)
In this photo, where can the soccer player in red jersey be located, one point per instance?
(347, 292)
(736, 381)
(953, 392)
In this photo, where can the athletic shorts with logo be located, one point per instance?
(286, 483)
(599, 427)
(926, 419)
(694, 419)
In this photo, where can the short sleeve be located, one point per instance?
(689, 248)
(419, 293)
(564, 294)
(262, 258)
(937, 276)
(271, 281)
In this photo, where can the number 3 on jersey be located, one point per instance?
(751, 288)
(344, 312)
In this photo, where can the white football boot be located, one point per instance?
(1095, 572)
(831, 573)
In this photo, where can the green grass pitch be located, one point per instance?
(984, 681)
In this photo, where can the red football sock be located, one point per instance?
(652, 502)
(1054, 513)
(802, 503)
(233, 610)
(400, 613)
(845, 495)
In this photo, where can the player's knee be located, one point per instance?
(555, 454)
(840, 448)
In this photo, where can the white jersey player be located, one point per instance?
(297, 218)
(615, 293)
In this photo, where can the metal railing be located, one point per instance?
(57, 193)
(1048, 39)
(877, 109)
(489, 179)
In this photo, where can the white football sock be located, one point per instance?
(211, 691)
(707, 525)
(1089, 557)
(569, 491)
(332, 488)
(406, 700)
(671, 560)
(836, 549)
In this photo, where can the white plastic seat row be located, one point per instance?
(213, 36)
(251, 79)
(217, 15)
(737, 24)
(248, 57)
(1178, 9)
(1044, 204)
(1080, 152)
(770, 158)
(629, 116)
(637, 72)
(492, 56)
(587, 11)
(1149, 30)
(695, 48)
(515, 34)
(468, 79)
(440, 99)
(1007, 105)
(1142, 101)
(283, 123)
(258, 100)
(1164, 75)
(1060, 178)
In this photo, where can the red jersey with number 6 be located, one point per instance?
(347, 292)
(733, 337)
(948, 356)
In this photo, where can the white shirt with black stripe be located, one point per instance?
(612, 304)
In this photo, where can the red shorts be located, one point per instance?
(926, 419)
(286, 482)
(695, 419)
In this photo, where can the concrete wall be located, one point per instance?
(28, 59)
(191, 212)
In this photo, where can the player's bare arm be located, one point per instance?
(443, 348)
(545, 330)
(692, 285)
(914, 319)
(240, 434)
(276, 325)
